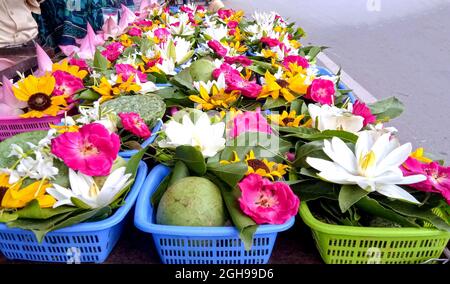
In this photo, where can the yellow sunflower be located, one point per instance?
(218, 98)
(237, 46)
(287, 119)
(15, 197)
(108, 91)
(288, 88)
(71, 69)
(125, 40)
(37, 92)
(264, 167)
(234, 160)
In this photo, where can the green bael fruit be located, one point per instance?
(192, 201)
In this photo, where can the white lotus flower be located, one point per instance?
(84, 188)
(182, 26)
(97, 115)
(220, 84)
(375, 165)
(182, 50)
(167, 66)
(216, 32)
(201, 133)
(333, 118)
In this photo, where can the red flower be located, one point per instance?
(134, 31)
(296, 59)
(361, 109)
(217, 48)
(234, 81)
(113, 51)
(133, 123)
(271, 42)
(232, 24)
(321, 91)
(243, 60)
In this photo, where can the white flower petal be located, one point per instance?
(396, 192)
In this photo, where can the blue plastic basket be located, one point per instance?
(341, 86)
(200, 245)
(84, 242)
(129, 153)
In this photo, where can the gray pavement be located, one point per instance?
(391, 47)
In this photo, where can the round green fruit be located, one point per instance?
(192, 201)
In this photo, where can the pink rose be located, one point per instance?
(113, 51)
(186, 9)
(299, 60)
(133, 123)
(224, 13)
(134, 31)
(232, 24)
(162, 34)
(249, 121)
(241, 59)
(217, 48)
(267, 202)
(81, 63)
(362, 110)
(234, 81)
(438, 177)
(91, 150)
(127, 70)
(66, 84)
(144, 23)
(270, 42)
(321, 91)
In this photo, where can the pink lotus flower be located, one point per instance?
(321, 91)
(126, 17)
(234, 81)
(10, 106)
(81, 63)
(361, 109)
(270, 42)
(438, 177)
(299, 60)
(243, 60)
(43, 60)
(66, 85)
(225, 13)
(91, 150)
(110, 29)
(267, 202)
(127, 70)
(218, 48)
(249, 121)
(135, 31)
(232, 24)
(133, 123)
(113, 51)
(87, 45)
(162, 34)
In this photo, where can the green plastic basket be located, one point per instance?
(339, 244)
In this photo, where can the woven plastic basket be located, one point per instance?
(11, 127)
(129, 153)
(80, 243)
(200, 245)
(339, 244)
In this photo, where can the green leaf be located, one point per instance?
(349, 195)
(245, 225)
(100, 62)
(7, 216)
(314, 189)
(88, 94)
(374, 208)
(183, 79)
(387, 109)
(415, 211)
(274, 103)
(257, 69)
(231, 174)
(159, 192)
(34, 211)
(133, 162)
(79, 203)
(193, 159)
(312, 149)
(179, 171)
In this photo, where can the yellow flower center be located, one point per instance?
(88, 149)
(367, 162)
(266, 201)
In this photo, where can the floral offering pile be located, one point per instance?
(251, 126)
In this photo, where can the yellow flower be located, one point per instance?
(419, 155)
(237, 34)
(234, 160)
(71, 69)
(287, 119)
(64, 128)
(125, 40)
(237, 46)
(218, 99)
(264, 167)
(14, 197)
(294, 70)
(37, 92)
(288, 88)
(295, 44)
(267, 53)
(108, 91)
(231, 112)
